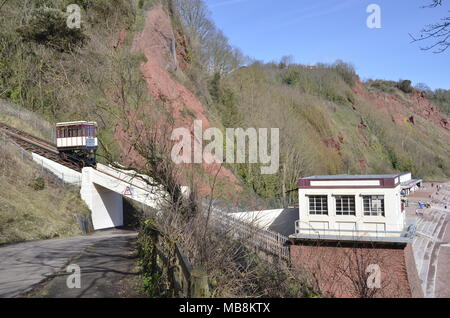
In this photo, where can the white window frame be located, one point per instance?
(371, 211)
(340, 200)
(323, 202)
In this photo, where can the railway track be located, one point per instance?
(39, 146)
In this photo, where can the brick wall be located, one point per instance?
(339, 270)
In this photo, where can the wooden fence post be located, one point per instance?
(199, 284)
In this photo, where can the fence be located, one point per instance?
(42, 168)
(186, 281)
(265, 240)
(27, 118)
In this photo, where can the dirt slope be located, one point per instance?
(164, 59)
(401, 110)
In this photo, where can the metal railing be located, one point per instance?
(28, 118)
(42, 168)
(409, 232)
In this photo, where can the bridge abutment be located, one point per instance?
(106, 205)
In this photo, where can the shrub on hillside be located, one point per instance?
(291, 77)
(225, 101)
(37, 184)
(48, 27)
(441, 98)
(346, 71)
(405, 86)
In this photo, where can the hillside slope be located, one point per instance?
(33, 204)
(132, 59)
(331, 123)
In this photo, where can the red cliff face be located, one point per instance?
(402, 110)
(165, 52)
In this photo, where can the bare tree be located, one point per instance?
(212, 46)
(439, 32)
(345, 270)
(286, 61)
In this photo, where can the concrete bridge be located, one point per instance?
(104, 187)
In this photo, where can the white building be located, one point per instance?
(353, 207)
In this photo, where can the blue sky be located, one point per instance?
(326, 30)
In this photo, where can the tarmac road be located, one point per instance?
(23, 266)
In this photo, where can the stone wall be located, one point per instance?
(340, 270)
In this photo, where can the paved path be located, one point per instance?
(108, 270)
(24, 265)
(442, 277)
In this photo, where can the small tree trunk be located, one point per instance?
(199, 284)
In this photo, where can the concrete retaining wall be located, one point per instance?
(62, 172)
(279, 220)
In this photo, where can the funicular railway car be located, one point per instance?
(77, 141)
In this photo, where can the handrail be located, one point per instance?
(267, 240)
(297, 228)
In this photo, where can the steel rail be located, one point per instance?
(38, 146)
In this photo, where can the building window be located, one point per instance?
(318, 204)
(345, 205)
(373, 205)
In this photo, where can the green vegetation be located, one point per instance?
(405, 86)
(27, 121)
(58, 74)
(389, 87)
(34, 206)
(76, 72)
(319, 116)
(441, 98)
(37, 184)
(328, 123)
(318, 111)
(85, 75)
(47, 26)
